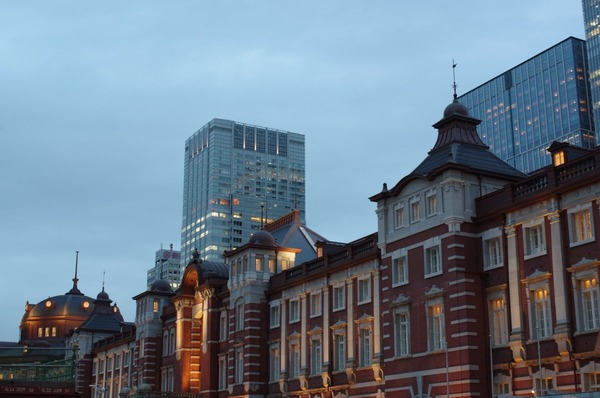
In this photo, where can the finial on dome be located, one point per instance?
(75, 289)
(454, 85)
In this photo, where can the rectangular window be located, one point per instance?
(492, 252)
(401, 332)
(294, 360)
(274, 363)
(415, 211)
(364, 347)
(239, 315)
(534, 240)
(339, 298)
(339, 352)
(399, 271)
(431, 205)
(259, 264)
(315, 304)
(223, 326)
(581, 226)
(172, 339)
(239, 365)
(589, 303)
(436, 327)
(165, 348)
(399, 216)
(47, 331)
(272, 264)
(542, 324)
(498, 321)
(285, 264)
(53, 331)
(294, 310)
(222, 372)
(364, 290)
(40, 331)
(274, 316)
(433, 263)
(316, 357)
(155, 305)
(592, 381)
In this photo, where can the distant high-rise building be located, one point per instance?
(591, 20)
(237, 177)
(166, 267)
(544, 99)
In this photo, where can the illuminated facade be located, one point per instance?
(544, 99)
(236, 178)
(591, 20)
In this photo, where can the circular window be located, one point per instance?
(48, 304)
(85, 305)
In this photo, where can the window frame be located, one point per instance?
(498, 319)
(534, 249)
(431, 208)
(428, 250)
(400, 278)
(318, 303)
(401, 331)
(588, 223)
(436, 325)
(363, 289)
(339, 297)
(294, 310)
(399, 210)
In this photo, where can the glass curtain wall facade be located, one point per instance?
(591, 20)
(237, 177)
(544, 99)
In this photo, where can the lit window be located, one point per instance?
(401, 332)
(316, 357)
(274, 316)
(285, 264)
(433, 263)
(498, 321)
(53, 331)
(40, 331)
(294, 310)
(47, 331)
(364, 290)
(534, 240)
(436, 327)
(155, 305)
(581, 226)
(558, 158)
(259, 264)
(541, 320)
(399, 271)
(589, 303)
(339, 298)
(315, 304)
(272, 264)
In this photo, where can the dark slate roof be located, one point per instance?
(104, 317)
(289, 231)
(458, 146)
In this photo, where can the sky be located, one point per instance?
(98, 98)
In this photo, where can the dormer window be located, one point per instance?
(558, 158)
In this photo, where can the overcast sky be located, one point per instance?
(98, 98)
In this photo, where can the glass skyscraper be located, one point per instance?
(591, 20)
(544, 99)
(237, 177)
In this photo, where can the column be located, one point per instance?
(514, 290)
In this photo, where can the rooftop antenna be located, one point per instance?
(103, 277)
(454, 85)
(262, 208)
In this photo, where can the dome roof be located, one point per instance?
(102, 295)
(66, 305)
(262, 238)
(456, 108)
(161, 285)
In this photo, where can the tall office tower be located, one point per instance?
(544, 99)
(237, 177)
(591, 20)
(166, 266)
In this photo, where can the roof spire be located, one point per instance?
(103, 277)
(454, 85)
(75, 289)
